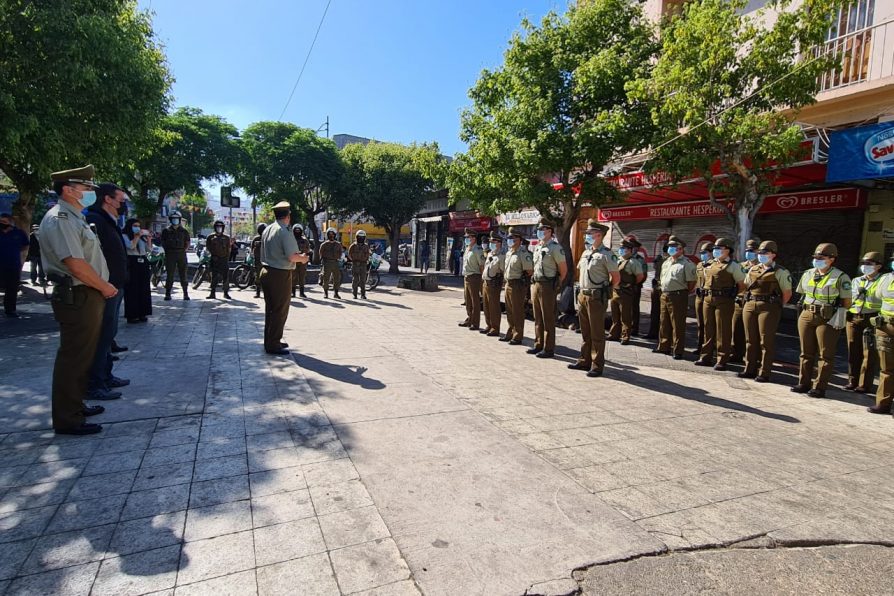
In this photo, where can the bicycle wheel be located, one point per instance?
(372, 280)
(156, 274)
(199, 277)
(242, 276)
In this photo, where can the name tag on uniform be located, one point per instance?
(141, 260)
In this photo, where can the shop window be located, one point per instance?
(850, 40)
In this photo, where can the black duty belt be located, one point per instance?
(594, 292)
(473, 275)
(543, 280)
(761, 298)
(674, 292)
(515, 282)
(727, 293)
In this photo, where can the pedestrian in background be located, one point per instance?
(137, 291)
(631, 275)
(331, 253)
(299, 275)
(739, 341)
(256, 255)
(473, 265)
(492, 277)
(424, 256)
(37, 272)
(518, 267)
(824, 290)
(13, 242)
(704, 258)
(677, 282)
(175, 241)
(723, 282)
(884, 341)
(219, 244)
(862, 362)
(550, 270)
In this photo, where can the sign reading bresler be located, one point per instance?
(861, 153)
(828, 198)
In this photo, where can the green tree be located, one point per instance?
(83, 81)
(725, 91)
(388, 184)
(194, 209)
(556, 111)
(282, 162)
(186, 148)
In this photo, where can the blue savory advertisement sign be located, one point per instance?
(861, 153)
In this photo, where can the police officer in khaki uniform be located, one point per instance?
(299, 274)
(738, 347)
(358, 257)
(884, 341)
(723, 282)
(632, 274)
(331, 253)
(518, 267)
(862, 362)
(676, 283)
(493, 281)
(768, 288)
(279, 253)
(175, 241)
(824, 290)
(597, 276)
(72, 257)
(218, 244)
(704, 256)
(635, 245)
(655, 301)
(473, 265)
(550, 270)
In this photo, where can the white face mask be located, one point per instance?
(869, 269)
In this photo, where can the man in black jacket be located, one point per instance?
(102, 217)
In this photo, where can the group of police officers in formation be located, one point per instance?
(738, 305)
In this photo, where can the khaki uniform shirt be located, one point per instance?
(734, 268)
(64, 233)
(783, 277)
(331, 250)
(700, 273)
(546, 260)
(219, 245)
(517, 263)
(594, 268)
(358, 253)
(277, 245)
(676, 274)
(303, 244)
(493, 266)
(473, 260)
(175, 239)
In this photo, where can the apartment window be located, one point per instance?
(850, 39)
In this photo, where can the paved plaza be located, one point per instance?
(396, 453)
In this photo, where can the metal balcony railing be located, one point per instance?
(865, 55)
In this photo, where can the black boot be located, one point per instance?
(185, 293)
(337, 297)
(363, 295)
(301, 293)
(212, 295)
(167, 295)
(227, 296)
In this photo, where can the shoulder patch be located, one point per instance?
(62, 215)
(846, 286)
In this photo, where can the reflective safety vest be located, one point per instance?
(885, 291)
(823, 290)
(865, 300)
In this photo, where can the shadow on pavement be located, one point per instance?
(343, 373)
(325, 302)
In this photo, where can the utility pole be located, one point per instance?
(325, 126)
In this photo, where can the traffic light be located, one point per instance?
(227, 199)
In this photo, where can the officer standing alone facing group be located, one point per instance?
(518, 267)
(218, 244)
(597, 276)
(473, 265)
(279, 253)
(723, 282)
(677, 282)
(358, 257)
(862, 362)
(72, 258)
(175, 241)
(492, 277)
(632, 274)
(550, 270)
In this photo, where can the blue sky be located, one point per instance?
(388, 69)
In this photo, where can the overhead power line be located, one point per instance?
(306, 59)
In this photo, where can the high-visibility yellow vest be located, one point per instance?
(885, 291)
(866, 301)
(823, 290)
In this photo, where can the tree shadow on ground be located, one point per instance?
(325, 302)
(343, 373)
(390, 304)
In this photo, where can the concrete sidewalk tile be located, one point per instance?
(217, 520)
(14, 555)
(10, 476)
(10, 458)
(130, 428)
(106, 463)
(70, 581)
(35, 495)
(281, 507)
(347, 528)
(54, 471)
(174, 422)
(103, 485)
(63, 451)
(122, 444)
(175, 436)
(221, 447)
(69, 548)
(148, 533)
(139, 573)
(273, 459)
(148, 503)
(277, 481)
(268, 441)
(339, 497)
(401, 588)
(368, 565)
(219, 490)
(220, 467)
(290, 540)
(174, 454)
(313, 574)
(212, 432)
(243, 583)
(87, 514)
(214, 557)
(161, 476)
(330, 472)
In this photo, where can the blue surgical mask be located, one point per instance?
(88, 197)
(764, 259)
(175, 221)
(672, 250)
(622, 252)
(717, 252)
(541, 234)
(511, 242)
(467, 241)
(492, 246)
(749, 255)
(867, 269)
(820, 263)
(588, 239)
(705, 257)
(135, 229)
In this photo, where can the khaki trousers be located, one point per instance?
(718, 313)
(623, 319)
(358, 277)
(818, 339)
(299, 275)
(331, 273)
(884, 340)
(672, 337)
(761, 320)
(80, 324)
(277, 286)
(700, 319)
(175, 260)
(515, 309)
(591, 316)
(543, 299)
(492, 316)
(472, 297)
(862, 362)
(739, 341)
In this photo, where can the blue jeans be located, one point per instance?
(101, 370)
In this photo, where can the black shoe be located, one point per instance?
(131, 322)
(678, 356)
(115, 382)
(760, 379)
(799, 389)
(657, 351)
(463, 324)
(279, 352)
(283, 344)
(12, 315)
(579, 366)
(484, 331)
(363, 296)
(534, 350)
(116, 358)
(493, 333)
(185, 296)
(355, 295)
(84, 429)
(144, 319)
(167, 296)
(337, 297)
(746, 375)
(302, 294)
(545, 354)
(258, 295)
(211, 296)
(702, 362)
(227, 296)
(594, 372)
(505, 338)
(293, 295)
(474, 328)
(102, 395)
(93, 410)
(515, 342)
(816, 393)
(878, 410)
(625, 342)
(720, 366)
(116, 348)
(326, 295)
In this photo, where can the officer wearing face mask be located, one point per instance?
(331, 252)
(473, 265)
(518, 267)
(824, 290)
(884, 341)
(175, 241)
(550, 270)
(704, 259)
(723, 282)
(862, 362)
(677, 281)
(299, 275)
(768, 287)
(218, 244)
(738, 347)
(358, 257)
(631, 274)
(493, 281)
(73, 260)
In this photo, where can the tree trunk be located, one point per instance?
(316, 240)
(23, 209)
(746, 208)
(394, 235)
(569, 218)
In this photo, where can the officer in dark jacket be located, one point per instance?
(218, 244)
(175, 241)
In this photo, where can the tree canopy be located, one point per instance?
(84, 81)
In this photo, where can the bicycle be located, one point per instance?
(157, 269)
(243, 275)
(203, 273)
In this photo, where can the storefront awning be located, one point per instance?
(460, 220)
(431, 219)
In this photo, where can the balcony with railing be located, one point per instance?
(865, 49)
